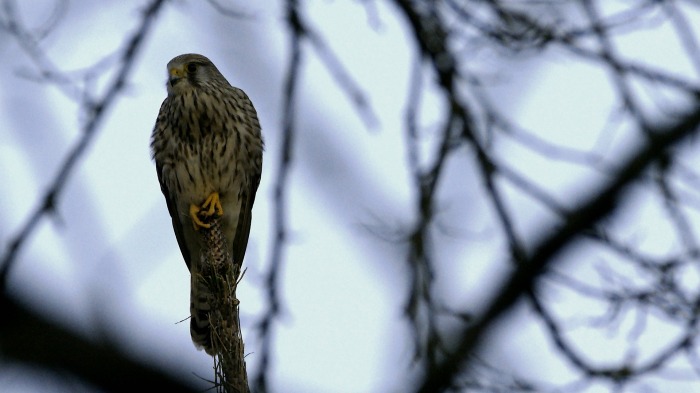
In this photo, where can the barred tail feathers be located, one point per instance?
(201, 300)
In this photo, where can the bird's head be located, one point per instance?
(192, 71)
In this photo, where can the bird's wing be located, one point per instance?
(240, 240)
(172, 205)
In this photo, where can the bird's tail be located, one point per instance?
(201, 300)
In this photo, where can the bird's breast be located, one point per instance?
(211, 144)
(212, 165)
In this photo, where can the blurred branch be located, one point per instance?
(486, 378)
(426, 172)
(337, 70)
(227, 11)
(30, 43)
(27, 337)
(420, 305)
(611, 61)
(342, 77)
(674, 211)
(297, 33)
(300, 31)
(431, 36)
(684, 31)
(557, 239)
(509, 27)
(434, 36)
(96, 111)
(658, 295)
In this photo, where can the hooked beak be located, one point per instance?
(175, 75)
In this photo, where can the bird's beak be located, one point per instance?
(176, 73)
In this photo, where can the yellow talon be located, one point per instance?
(196, 221)
(213, 204)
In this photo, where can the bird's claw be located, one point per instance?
(210, 207)
(196, 221)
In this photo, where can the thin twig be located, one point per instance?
(597, 206)
(280, 212)
(96, 112)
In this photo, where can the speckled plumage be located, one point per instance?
(206, 140)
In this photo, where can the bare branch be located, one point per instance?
(596, 207)
(96, 112)
(30, 338)
(279, 226)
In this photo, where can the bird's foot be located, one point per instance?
(210, 207)
(196, 221)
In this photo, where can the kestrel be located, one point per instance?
(208, 151)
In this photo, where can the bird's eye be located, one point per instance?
(192, 67)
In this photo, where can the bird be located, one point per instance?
(208, 148)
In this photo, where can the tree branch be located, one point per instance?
(557, 239)
(97, 112)
(27, 337)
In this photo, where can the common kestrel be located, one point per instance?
(208, 151)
